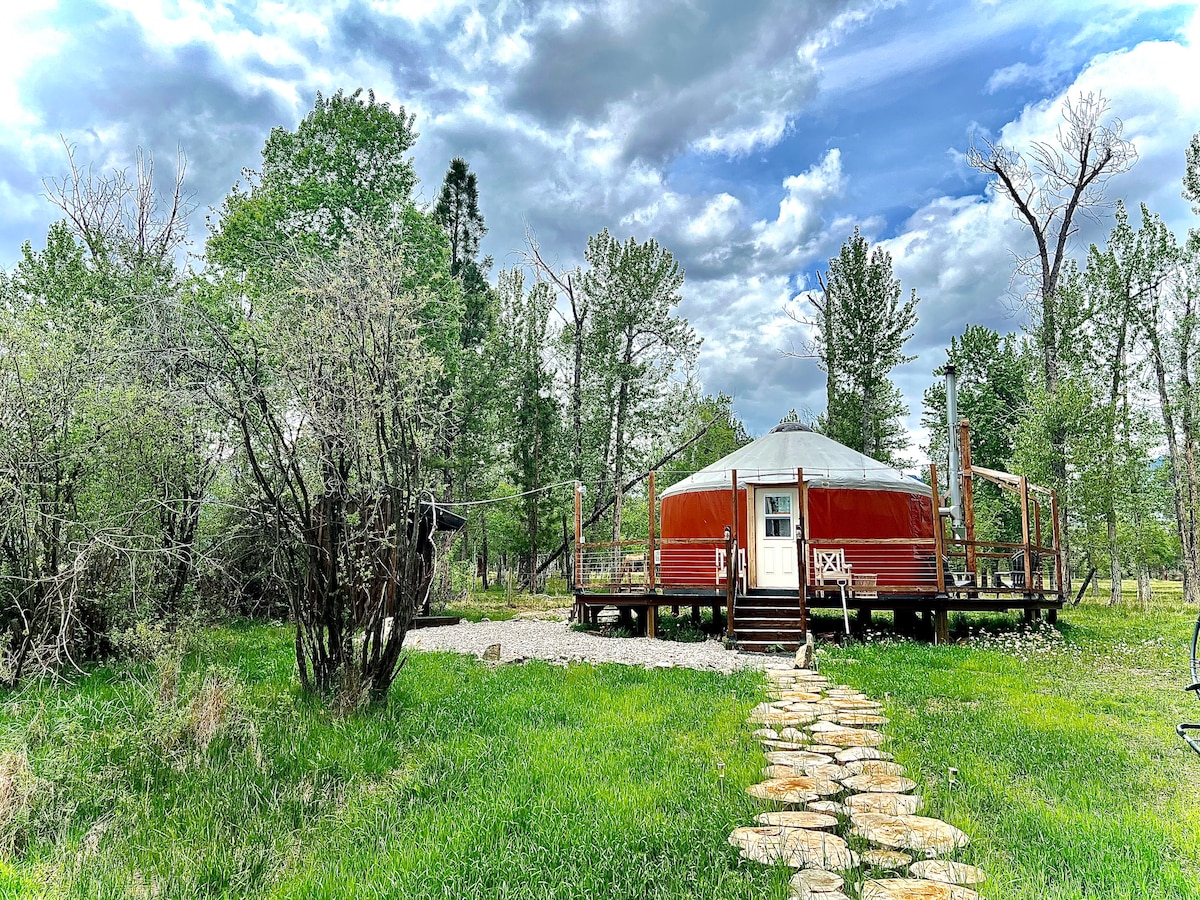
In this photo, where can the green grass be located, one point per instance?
(1072, 781)
(517, 781)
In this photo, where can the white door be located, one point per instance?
(775, 538)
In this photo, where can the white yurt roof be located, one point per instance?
(774, 458)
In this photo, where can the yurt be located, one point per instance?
(850, 496)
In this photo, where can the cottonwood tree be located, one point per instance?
(635, 347)
(1051, 185)
(343, 168)
(327, 385)
(530, 413)
(859, 333)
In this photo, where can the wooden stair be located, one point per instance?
(764, 620)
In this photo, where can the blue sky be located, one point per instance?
(749, 138)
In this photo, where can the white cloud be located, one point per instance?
(801, 212)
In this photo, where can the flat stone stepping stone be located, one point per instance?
(853, 737)
(828, 807)
(791, 818)
(802, 696)
(797, 758)
(746, 835)
(794, 789)
(861, 718)
(908, 832)
(765, 734)
(914, 889)
(893, 860)
(873, 767)
(828, 771)
(832, 771)
(948, 871)
(853, 754)
(858, 702)
(772, 716)
(823, 725)
(829, 749)
(879, 784)
(772, 746)
(793, 734)
(805, 850)
(891, 804)
(808, 884)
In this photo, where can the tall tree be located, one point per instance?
(859, 337)
(457, 211)
(1050, 186)
(530, 410)
(637, 343)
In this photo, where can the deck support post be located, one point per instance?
(802, 551)
(941, 626)
(938, 549)
(651, 568)
(1058, 572)
(578, 536)
(731, 542)
(1031, 613)
(651, 619)
(730, 590)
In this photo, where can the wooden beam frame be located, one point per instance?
(938, 536)
(802, 550)
(651, 569)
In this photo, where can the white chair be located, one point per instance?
(830, 567)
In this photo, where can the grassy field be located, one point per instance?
(520, 781)
(1071, 779)
(580, 782)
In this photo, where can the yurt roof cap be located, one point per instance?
(774, 458)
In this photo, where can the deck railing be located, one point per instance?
(628, 566)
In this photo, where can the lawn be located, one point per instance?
(520, 781)
(541, 781)
(1071, 779)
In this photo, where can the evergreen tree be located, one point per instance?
(860, 336)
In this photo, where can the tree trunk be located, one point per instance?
(484, 549)
(1144, 592)
(1114, 559)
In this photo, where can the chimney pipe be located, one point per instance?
(955, 472)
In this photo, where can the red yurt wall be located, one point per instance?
(832, 513)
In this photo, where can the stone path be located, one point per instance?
(844, 813)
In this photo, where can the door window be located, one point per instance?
(777, 511)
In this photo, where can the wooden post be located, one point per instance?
(1025, 534)
(938, 548)
(650, 567)
(941, 627)
(731, 561)
(578, 536)
(730, 551)
(652, 619)
(802, 550)
(968, 494)
(1037, 540)
(1058, 582)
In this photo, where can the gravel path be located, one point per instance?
(521, 639)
